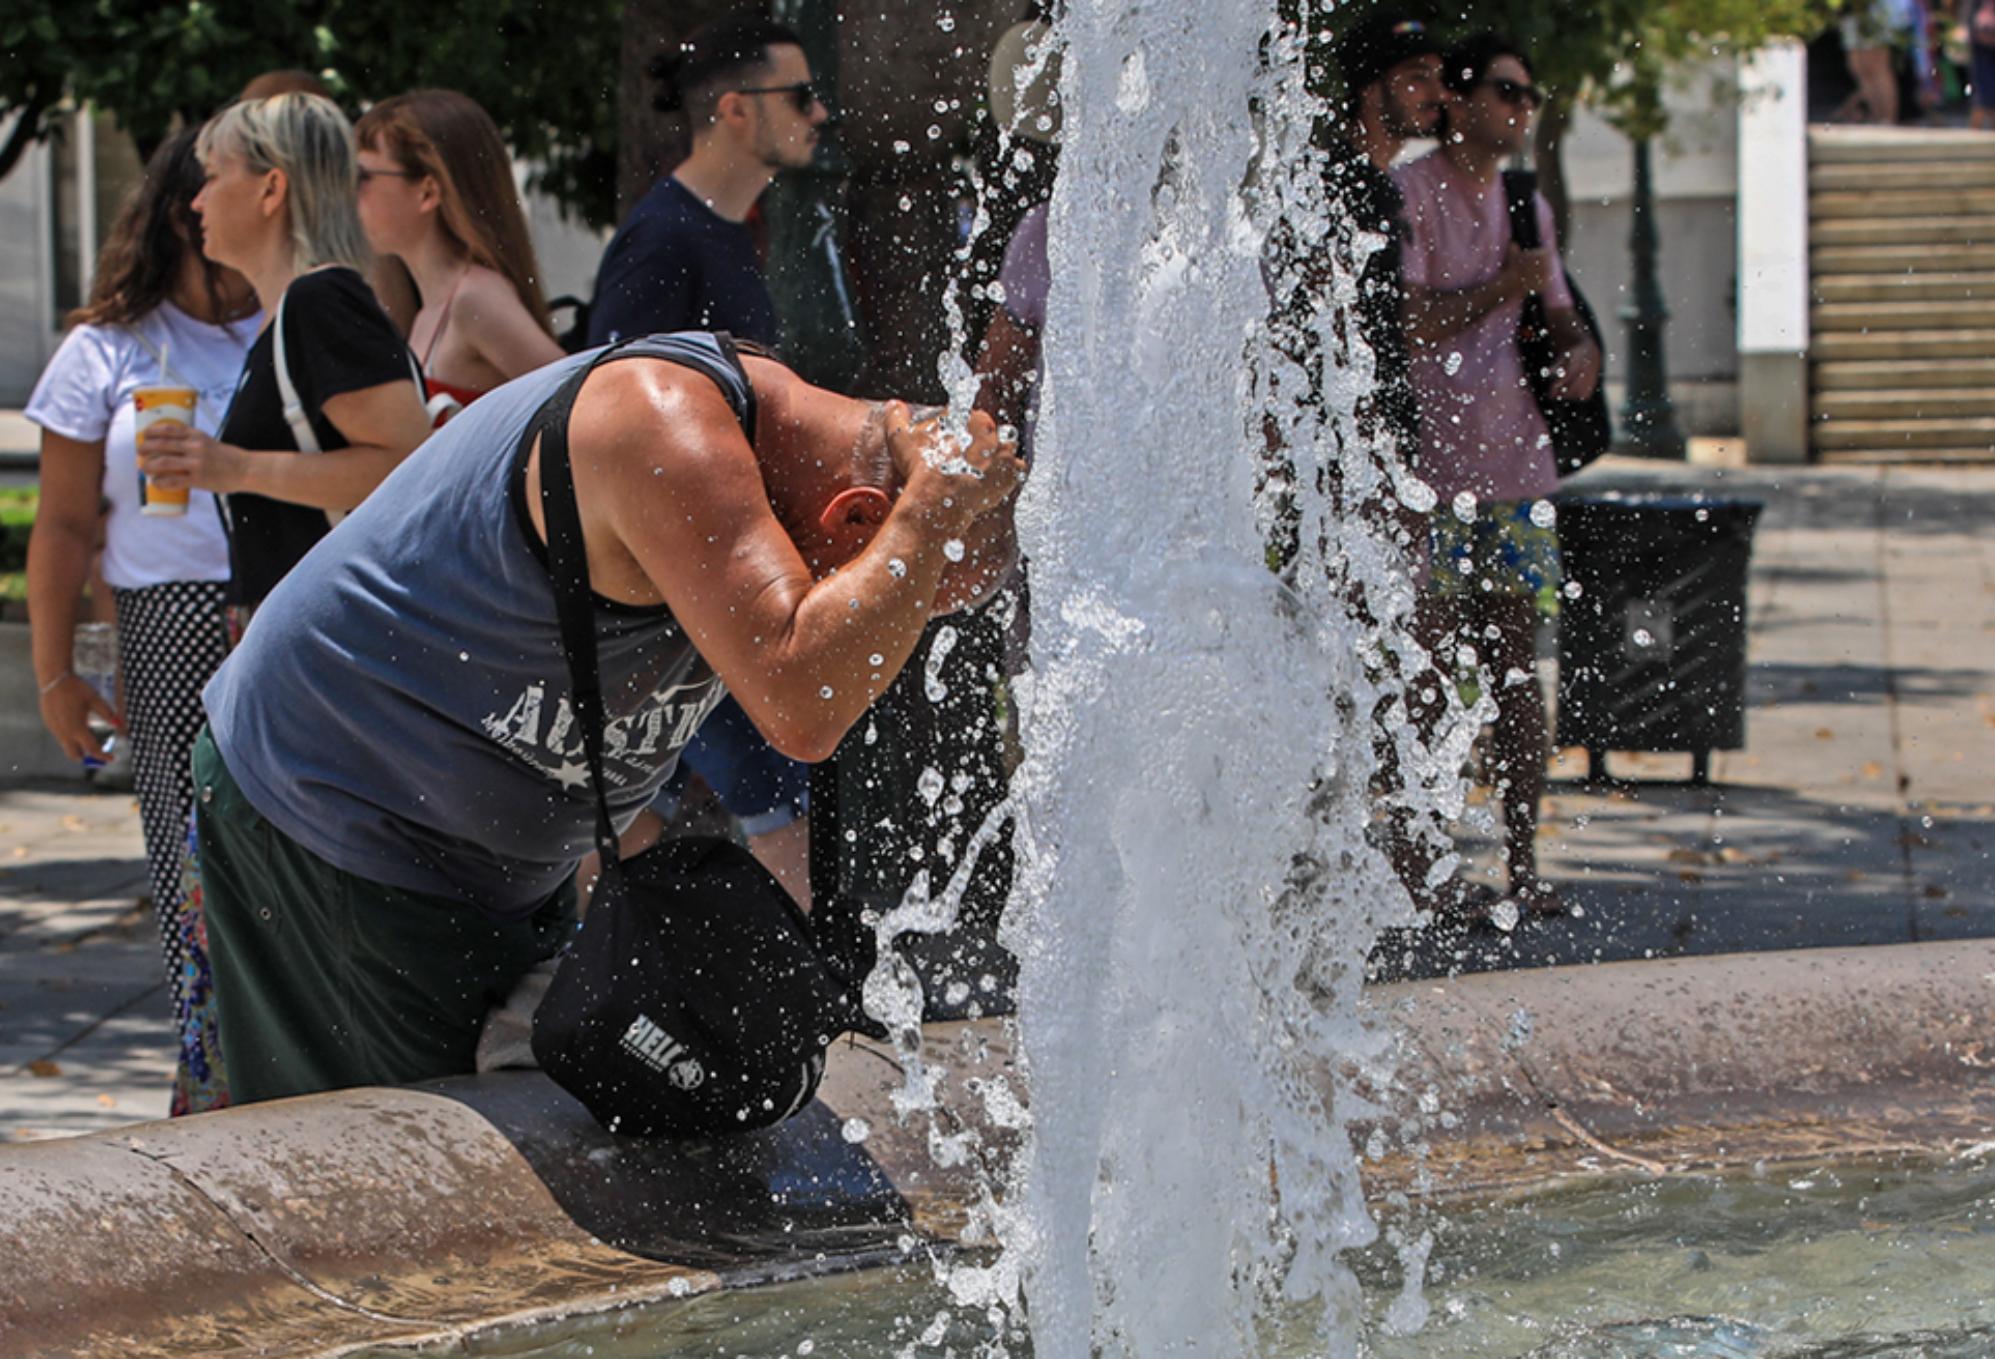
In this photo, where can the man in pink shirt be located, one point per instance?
(1484, 445)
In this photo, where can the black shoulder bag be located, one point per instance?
(692, 1002)
(1580, 430)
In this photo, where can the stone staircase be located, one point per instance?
(1901, 239)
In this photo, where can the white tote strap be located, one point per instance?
(287, 391)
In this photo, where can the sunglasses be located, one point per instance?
(803, 94)
(1515, 94)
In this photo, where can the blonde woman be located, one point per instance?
(327, 404)
(436, 190)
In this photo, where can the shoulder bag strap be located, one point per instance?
(1520, 194)
(568, 567)
(287, 390)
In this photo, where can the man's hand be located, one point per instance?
(175, 455)
(1576, 371)
(952, 482)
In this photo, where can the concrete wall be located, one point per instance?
(27, 332)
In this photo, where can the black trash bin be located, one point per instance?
(1652, 651)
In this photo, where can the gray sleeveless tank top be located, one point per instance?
(400, 704)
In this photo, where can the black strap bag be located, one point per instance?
(692, 1003)
(1581, 431)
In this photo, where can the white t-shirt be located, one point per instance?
(85, 394)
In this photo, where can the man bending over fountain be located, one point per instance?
(392, 790)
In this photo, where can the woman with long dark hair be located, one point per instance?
(158, 315)
(437, 190)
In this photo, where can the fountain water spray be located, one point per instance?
(1200, 890)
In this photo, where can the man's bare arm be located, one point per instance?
(1435, 315)
(804, 658)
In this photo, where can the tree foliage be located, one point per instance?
(547, 72)
(1616, 55)
(1613, 55)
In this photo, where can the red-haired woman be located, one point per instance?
(437, 190)
(159, 315)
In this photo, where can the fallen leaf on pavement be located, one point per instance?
(20, 851)
(74, 822)
(42, 1066)
(1732, 854)
(1688, 856)
(1690, 875)
(1824, 734)
(108, 1101)
(1872, 770)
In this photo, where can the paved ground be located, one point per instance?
(1859, 812)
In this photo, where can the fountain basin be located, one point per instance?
(335, 1223)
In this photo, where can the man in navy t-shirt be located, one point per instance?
(686, 260)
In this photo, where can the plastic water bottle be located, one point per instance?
(95, 661)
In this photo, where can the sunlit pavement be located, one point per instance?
(1861, 811)
(85, 1030)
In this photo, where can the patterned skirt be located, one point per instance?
(171, 639)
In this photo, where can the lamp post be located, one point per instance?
(804, 211)
(1648, 416)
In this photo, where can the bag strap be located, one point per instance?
(568, 567)
(287, 391)
(1520, 195)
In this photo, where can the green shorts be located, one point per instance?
(324, 979)
(1510, 547)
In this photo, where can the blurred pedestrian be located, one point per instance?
(1873, 31)
(1025, 105)
(437, 192)
(1977, 34)
(328, 402)
(686, 260)
(159, 315)
(1485, 448)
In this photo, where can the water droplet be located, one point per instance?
(901, 148)
(946, 22)
(856, 1130)
(896, 567)
(463, 655)
(1453, 363)
(825, 692)
(1544, 514)
(953, 549)
(929, 785)
(1464, 507)
(934, 132)
(907, 203)
(876, 659)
